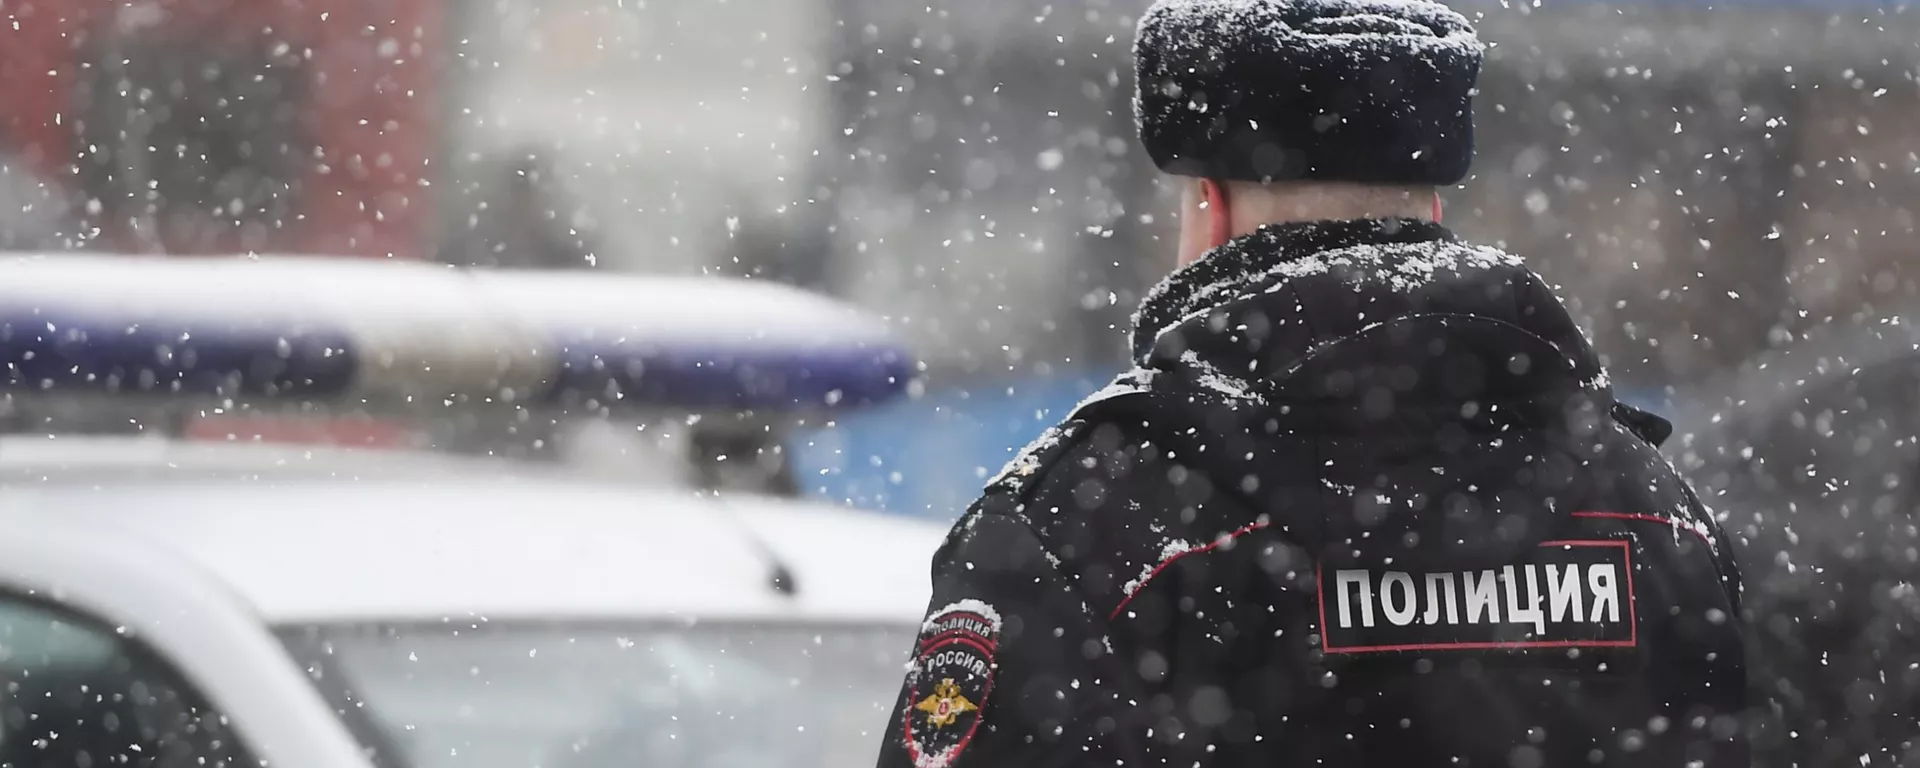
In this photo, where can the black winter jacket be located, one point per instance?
(1366, 501)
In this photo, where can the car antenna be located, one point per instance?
(779, 575)
(782, 576)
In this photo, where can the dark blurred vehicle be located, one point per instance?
(1810, 454)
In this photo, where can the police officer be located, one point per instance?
(1365, 500)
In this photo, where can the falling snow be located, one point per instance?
(497, 233)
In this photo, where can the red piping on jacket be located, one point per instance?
(1215, 544)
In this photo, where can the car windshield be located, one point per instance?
(491, 694)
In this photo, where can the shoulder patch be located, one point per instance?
(1570, 595)
(951, 678)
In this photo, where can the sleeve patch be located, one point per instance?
(952, 676)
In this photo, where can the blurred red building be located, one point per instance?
(203, 126)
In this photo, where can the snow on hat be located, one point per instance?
(1368, 91)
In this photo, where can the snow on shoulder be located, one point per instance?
(1405, 267)
(989, 618)
(1191, 293)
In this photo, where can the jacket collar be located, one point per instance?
(1229, 268)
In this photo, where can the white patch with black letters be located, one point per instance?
(1573, 594)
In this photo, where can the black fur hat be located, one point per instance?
(1369, 91)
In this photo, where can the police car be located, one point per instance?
(173, 602)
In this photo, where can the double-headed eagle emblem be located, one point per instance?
(946, 704)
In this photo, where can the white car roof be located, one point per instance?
(313, 536)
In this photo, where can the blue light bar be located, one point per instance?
(702, 379)
(320, 330)
(59, 352)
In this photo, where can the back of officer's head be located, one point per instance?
(1296, 110)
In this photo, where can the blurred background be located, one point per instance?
(1703, 181)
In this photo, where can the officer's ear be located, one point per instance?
(1436, 206)
(1213, 196)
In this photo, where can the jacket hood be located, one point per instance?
(1410, 372)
